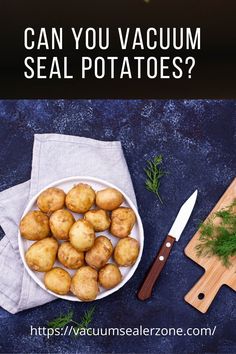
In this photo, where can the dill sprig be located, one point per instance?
(85, 321)
(154, 173)
(61, 321)
(64, 320)
(218, 235)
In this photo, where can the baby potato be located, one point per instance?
(82, 235)
(109, 276)
(122, 222)
(99, 254)
(69, 256)
(84, 284)
(126, 251)
(51, 199)
(58, 280)
(34, 226)
(60, 223)
(42, 254)
(99, 219)
(109, 199)
(80, 198)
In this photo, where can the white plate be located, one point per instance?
(137, 233)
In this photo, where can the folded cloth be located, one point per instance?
(54, 157)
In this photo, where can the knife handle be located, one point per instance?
(145, 291)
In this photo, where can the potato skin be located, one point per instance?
(99, 219)
(42, 254)
(109, 199)
(34, 226)
(82, 235)
(99, 254)
(80, 198)
(69, 256)
(58, 280)
(60, 223)
(122, 222)
(109, 276)
(51, 199)
(84, 284)
(126, 251)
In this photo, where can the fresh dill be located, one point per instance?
(154, 174)
(61, 321)
(218, 235)
(64, 320)
(85, 321)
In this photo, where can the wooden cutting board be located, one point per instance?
(216, 274)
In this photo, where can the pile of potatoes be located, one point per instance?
(74, 244)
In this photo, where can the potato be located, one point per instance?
(58, 280)
(69, 256)
(109, 199)
(42, 254)
(82, 235)
(60, 223)
(51, 199)
(99, 219)
(80, 198)
(126, 251)
(122, 222)
(109, 276)
(99, 254)
(34, 226)
(84, 284)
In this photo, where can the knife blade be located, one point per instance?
(164, 252)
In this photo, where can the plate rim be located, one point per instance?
(140, 233)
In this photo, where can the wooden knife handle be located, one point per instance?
(146, 289)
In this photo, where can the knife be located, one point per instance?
(174, 234)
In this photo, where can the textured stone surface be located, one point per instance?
(197, 140)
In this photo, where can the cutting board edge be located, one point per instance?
(213, 287)
(192, 306)
(197, 233)
(193, 259)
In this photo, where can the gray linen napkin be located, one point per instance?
(54, 157)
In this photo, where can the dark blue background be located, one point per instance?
(197, 140)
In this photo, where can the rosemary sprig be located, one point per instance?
(219, 238)
(154, 173)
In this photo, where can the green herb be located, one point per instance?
(154, 173)
(63, 320)
(218, 235)
(85, 321)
